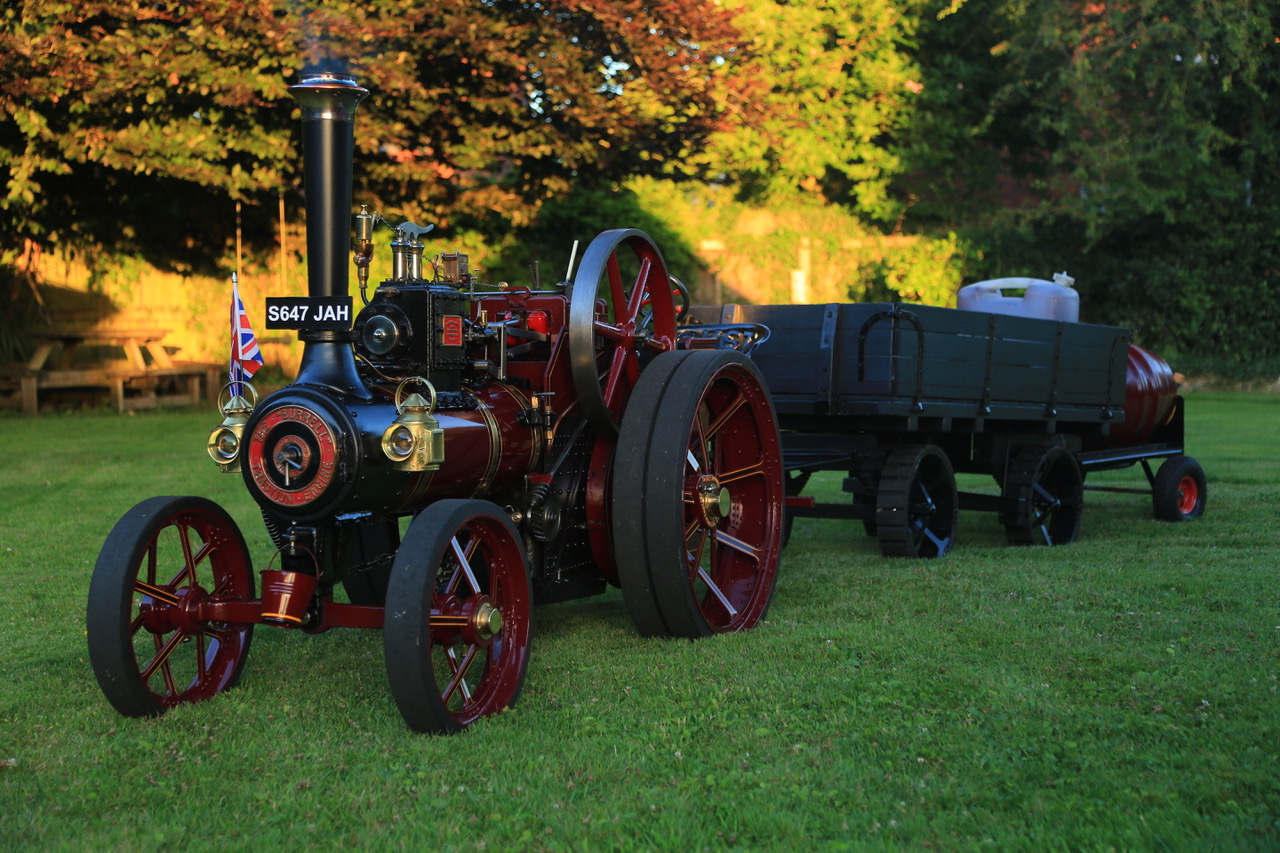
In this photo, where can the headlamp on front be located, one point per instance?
(414, 441)
(227, 437)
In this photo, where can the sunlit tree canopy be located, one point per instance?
(132, 122)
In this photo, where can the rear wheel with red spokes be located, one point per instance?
(704, 521)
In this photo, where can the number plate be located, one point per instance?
(309, 313)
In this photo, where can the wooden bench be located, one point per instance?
(183, 384)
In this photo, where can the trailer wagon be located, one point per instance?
(903, 397)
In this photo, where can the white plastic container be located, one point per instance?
(1045, 300)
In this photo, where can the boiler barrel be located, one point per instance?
(1149, 393)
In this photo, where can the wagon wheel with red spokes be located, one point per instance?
(698, 498)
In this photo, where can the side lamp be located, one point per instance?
(415, 440)
(227, 437)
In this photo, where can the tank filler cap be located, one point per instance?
(1063, 279)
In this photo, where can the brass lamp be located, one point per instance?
(226, 438)
(415, 440)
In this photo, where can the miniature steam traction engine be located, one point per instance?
(455, 455)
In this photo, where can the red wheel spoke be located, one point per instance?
(460, 669)
(742, 547)
(188, 558)
(463, 569)
(631, 366)
(695, 554)
(617, 370)
(159, 593)
(161, 660)
(756, 469)
(723, 417)
(639, 293)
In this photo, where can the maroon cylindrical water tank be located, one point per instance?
(1149, 391)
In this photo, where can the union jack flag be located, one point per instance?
(246, 358)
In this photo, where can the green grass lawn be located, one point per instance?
(1117, 693)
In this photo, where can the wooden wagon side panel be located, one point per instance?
(874, 359)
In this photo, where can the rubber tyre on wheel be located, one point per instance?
(704, 518)
(163, 558)
(630, 462)
(1180, 491)
(1043, 496)
(448, 662)
(917, 508)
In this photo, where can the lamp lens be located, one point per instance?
(227, 444)
(401, 442)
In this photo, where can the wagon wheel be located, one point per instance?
(916, 504)
(1043, 497)
(458, 617)
(702, 523)
(162, 560)
(1179, 491)
(621, 308)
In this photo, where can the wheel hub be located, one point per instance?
(159, 616)
(487, 621)
(714, 500)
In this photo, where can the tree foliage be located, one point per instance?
(838, 87)
(135, 125)
(1135, 142)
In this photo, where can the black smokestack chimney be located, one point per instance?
(329, 101)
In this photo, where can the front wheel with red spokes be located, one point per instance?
(621, 314)
(164, 559)
(704, 521)
(459, 616)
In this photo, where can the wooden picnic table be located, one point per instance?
(138, 345)
(145, 378)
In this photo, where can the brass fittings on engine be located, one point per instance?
(415, 440)
(227, 437)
